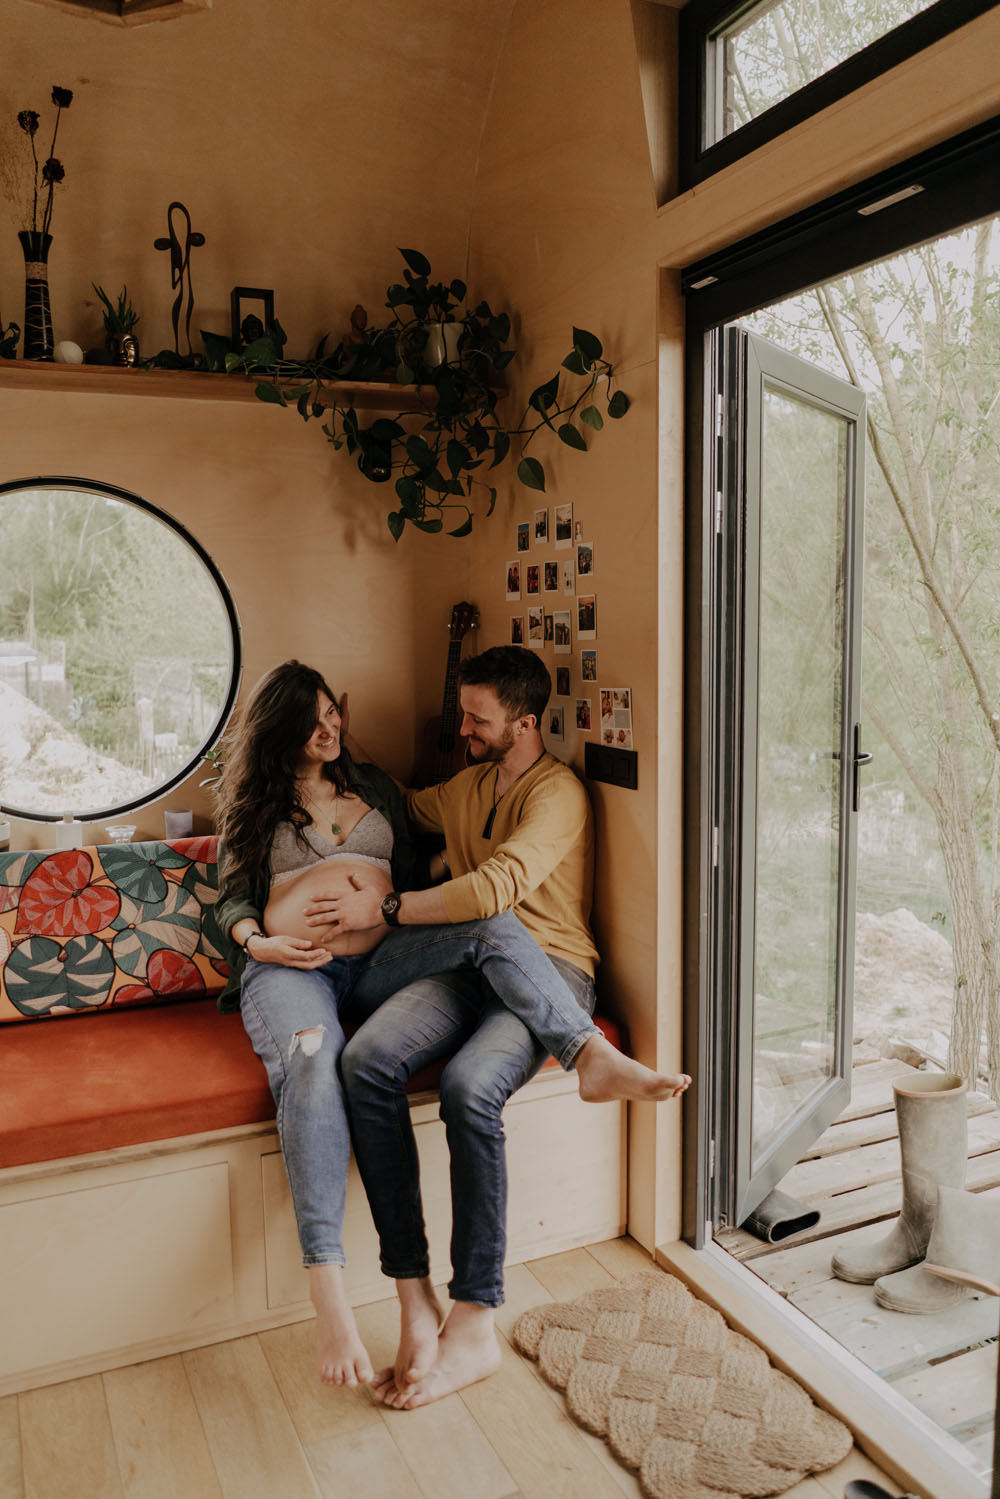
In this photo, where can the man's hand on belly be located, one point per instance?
(356, 909)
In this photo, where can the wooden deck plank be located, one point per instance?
(897, 1343)
(847, 1134)
(849, 1210)
(953, 1393)
(826, 1176)
(873, 1093)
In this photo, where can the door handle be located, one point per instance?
(861, 757)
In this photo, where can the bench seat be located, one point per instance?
(117, 1078)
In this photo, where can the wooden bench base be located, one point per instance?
(145, 1250)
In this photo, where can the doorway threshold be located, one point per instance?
(919, 1456)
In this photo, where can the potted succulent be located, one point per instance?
(120, 320)
(448, 435)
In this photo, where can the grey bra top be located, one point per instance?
(370, 839)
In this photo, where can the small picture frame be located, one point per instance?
(588, 666)
(241, 313)
(556, 724)
(551, 573)
(586, 610)
(517, 629)
(513, 580)
(532, 578)
(562, 681)
(523, 536)
(536, 627)
(564, 526)
(583, 714)
(541, 527)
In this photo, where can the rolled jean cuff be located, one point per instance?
(310, 1261)
(477, 1298)
(574, 1048)
(421, 1272)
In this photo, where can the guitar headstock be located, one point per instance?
(464, 617)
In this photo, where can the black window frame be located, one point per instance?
(960, 184)
(700, 19)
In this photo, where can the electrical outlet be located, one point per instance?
(616, 767)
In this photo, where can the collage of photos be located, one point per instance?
(570, 630)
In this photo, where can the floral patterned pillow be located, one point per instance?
(101, 927)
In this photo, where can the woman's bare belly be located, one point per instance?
(284, 914)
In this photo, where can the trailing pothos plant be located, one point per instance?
(442, 446)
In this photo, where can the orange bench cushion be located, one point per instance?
(129, 1076)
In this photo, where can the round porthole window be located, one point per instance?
(119, 650)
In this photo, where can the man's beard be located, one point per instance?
(486, 754)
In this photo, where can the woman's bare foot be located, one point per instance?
(467, 1352)
(420, 1319)
(342, 1358)
(606, 1073)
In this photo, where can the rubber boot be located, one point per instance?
(933, 1144)
(964, 1249)
(965, 1244)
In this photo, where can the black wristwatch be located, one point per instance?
(390, 908)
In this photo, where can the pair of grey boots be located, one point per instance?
(945, 1244)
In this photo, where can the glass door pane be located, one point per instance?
(799, 713)
(799, 480)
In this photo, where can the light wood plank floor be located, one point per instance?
(946, 1364)
(247, 1420)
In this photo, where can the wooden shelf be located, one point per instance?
(184, 385)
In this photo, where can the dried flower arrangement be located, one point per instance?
(48, 172)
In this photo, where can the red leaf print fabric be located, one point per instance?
(58, 899)
(172, 973)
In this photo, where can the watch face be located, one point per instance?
(390, 906)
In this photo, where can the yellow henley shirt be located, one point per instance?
(537, 862)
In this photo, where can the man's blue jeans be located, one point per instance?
(495, 1054)
(292, 1017)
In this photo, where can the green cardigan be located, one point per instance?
(237, 900)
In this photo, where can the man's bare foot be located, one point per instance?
(467, 1352)
(341, 1357)
(606, 1073)
(420, 1319)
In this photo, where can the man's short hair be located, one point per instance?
(518, 676)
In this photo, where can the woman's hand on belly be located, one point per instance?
(290, 952)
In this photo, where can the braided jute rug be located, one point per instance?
(696, 1409)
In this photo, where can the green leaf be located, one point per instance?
(458, 457)
(493, 500)
(501, 447)
(571, 437)
(531, 473)
(386, 430)
(544, 396)
(429, 525)
(303, 404)
(464, 529)
(419, 452)
(270, 393)
(588, 344)
(416, 262)
(458, 290)
(216, 349)
(574, 362)
(618, 405)
(592, 417)
(404, 374)
(395, 522)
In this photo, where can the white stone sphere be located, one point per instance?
(68, 352)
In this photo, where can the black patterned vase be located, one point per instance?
(35, 247)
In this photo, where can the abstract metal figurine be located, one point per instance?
(180, 264)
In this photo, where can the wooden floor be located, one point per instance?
(946, 1364)
(247, 1420)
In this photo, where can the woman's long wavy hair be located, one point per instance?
(262, 757)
